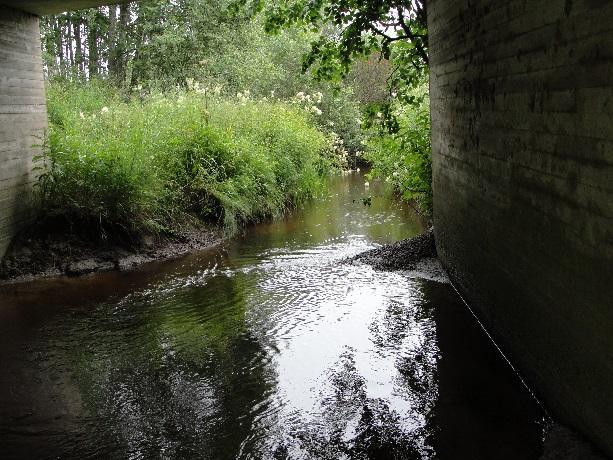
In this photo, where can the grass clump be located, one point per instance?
(154, 163)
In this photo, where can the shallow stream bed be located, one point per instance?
(266, 347)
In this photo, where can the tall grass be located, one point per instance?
(151, 164)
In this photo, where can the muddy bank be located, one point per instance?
(38, 253)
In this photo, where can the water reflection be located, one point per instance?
(269, 347)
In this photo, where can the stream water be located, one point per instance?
(267, 347)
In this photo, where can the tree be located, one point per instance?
(349, 29)
(92, 24)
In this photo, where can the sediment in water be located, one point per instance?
(402, 255)
(416, 256)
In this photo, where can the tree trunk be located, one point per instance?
(78, 45)
(69, 35)
(121, 46)
(139, 39)
(92, 45)
(59, 47)
(112, 42)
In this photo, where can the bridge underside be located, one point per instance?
(41, 7)
(522, 140)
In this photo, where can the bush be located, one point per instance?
(404, 158)
(148, 165)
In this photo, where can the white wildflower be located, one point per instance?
(104, 110)
(82, 115)
(395, 174)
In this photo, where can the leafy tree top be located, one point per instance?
(349, 29)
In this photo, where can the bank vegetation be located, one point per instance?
(163, 114)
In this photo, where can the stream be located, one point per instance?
(266, 347)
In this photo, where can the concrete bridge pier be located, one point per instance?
(23, 117)
(23, 110)
(522, 142)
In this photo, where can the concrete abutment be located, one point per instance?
(522, 137)
(23, 117)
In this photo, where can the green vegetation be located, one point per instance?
(149, 164)
(350, 30)
(350, 34)
(165, 112)
(403, 158)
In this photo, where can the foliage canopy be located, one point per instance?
(349, 29)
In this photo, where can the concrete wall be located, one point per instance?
(23, 117)
(522, 138)
(41, 7)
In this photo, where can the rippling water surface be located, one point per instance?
(266, 348)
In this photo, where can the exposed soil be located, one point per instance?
(49, 250)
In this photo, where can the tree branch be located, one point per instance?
(417, 40)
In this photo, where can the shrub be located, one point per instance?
(148, 165)
(404, 158)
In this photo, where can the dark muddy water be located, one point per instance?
(265, 348)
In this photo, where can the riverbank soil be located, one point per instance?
(50, 249)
